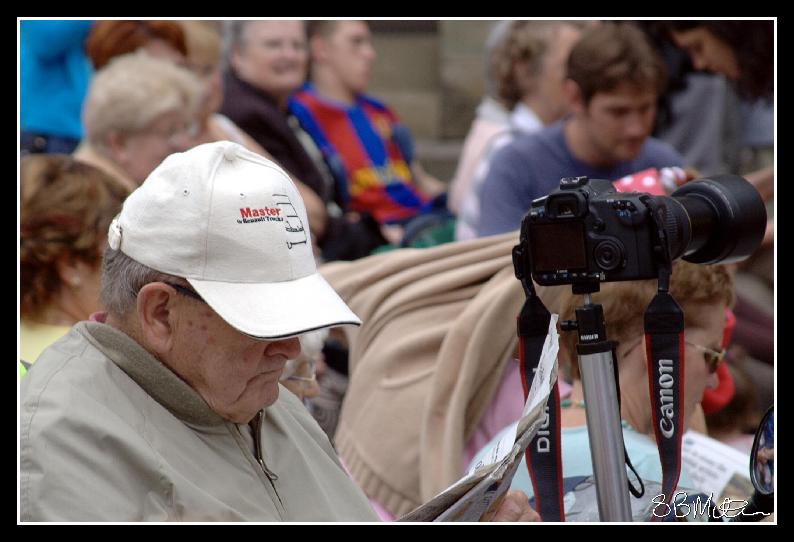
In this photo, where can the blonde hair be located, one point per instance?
(132, 91)
(524, 42)
(694, 287)
(203, 43)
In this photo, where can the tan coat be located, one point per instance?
(108, 433)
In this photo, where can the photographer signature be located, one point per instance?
(728, 508)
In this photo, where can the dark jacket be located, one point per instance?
(256, 113)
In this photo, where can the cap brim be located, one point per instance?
(277, 310)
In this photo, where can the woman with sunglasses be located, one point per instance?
(704, 293)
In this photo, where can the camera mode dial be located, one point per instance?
(608, 255)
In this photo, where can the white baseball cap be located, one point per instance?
(233, 224)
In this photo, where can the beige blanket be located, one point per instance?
(438, 327)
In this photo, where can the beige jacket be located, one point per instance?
(108, 433)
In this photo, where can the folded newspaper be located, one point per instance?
(480, 490)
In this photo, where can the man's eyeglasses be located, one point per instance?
(711, 357)
(300, 371)
(185, 291)
(175, 135)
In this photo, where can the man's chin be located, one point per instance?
(626, 153)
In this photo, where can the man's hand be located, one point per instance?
(514, 506)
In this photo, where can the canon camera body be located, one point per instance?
(586, 231)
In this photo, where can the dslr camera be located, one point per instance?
(587, 232)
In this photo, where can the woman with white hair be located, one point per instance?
(139, 109)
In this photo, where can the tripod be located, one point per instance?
(604, 430)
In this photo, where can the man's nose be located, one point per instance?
(636, 126)
(289, 348)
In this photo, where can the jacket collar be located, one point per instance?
(235, 83)
(150, 374)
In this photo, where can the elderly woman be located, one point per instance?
(204, 59)
(704, 293)
(65, 209)
(139, 109)
(267, 63)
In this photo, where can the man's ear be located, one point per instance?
(116, 146)
(155, 316)
(318, 48)
(235, 57)
(525, 77)
(573, 96)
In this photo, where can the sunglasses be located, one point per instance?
(711, 357)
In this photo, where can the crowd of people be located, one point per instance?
(223, 315)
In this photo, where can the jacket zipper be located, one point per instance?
(271, 476)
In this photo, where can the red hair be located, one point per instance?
(109, 39)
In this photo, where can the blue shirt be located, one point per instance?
(577, 466)
(53, 76)
(532, 165)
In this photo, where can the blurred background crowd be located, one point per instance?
(398, 134)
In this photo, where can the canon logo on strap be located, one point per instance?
(666, 382)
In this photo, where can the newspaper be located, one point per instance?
(480, 489)
(716, 468)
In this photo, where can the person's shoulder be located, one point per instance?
(658, 150)
(72, 373)
(520, 149)
(374, 102)
(56, 360)
(301, 95)
(61, 391)
(242, 98)
(539, 140)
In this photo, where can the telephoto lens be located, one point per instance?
(720, 219)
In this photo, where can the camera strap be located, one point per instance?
(664, 344)
(633, 490)
(543, 454)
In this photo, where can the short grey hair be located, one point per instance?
(122, 279)
(232, 38)
(133, 91)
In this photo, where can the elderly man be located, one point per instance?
(167, 407)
